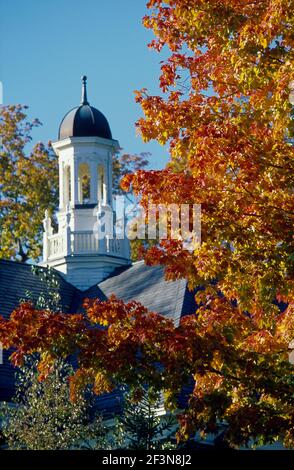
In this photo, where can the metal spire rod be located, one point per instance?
(84, 99)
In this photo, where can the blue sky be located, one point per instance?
(46, 45)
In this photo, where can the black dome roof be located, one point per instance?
(84, 120)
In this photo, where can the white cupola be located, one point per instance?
(85, 149)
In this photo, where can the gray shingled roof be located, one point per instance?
(146, 284)
(15, 280)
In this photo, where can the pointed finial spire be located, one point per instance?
(84, 90)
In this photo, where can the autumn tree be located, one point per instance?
(226, 116)
(42, 417)
(125, 164)
(28, 185)
(242, 375)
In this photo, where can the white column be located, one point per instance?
(99, 186)
(47, 232)
(109, 179)
(66, 185)
(45, 247)
(61, 183)
(105, 184)
(93, 182)
(67, 235)
(75, 182)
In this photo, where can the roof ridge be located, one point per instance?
(30, 265)
(13, 261)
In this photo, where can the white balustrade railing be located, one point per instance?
(114, 246)
(85, 242)
(81, 242)
(55, 245)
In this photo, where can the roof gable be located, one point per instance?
(16, 279)
(147, 285)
